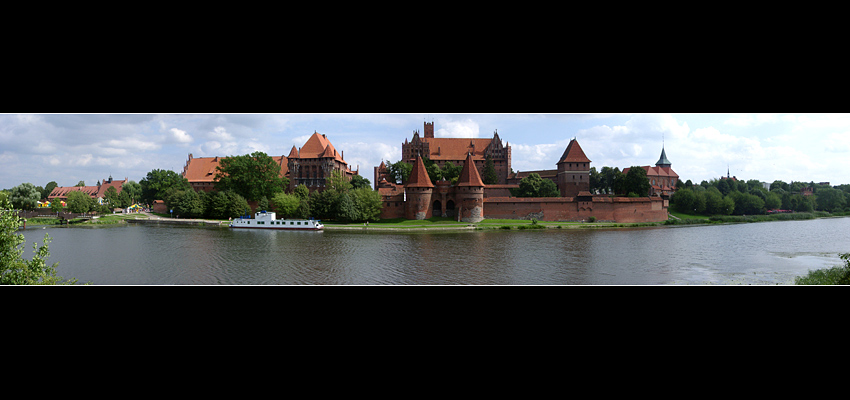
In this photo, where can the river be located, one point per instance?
(766, 253)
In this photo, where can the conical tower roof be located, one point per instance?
(574, 153)
(418, 175)
(469, 175)
(663, 161)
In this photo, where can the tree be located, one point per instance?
(488, 176)
(399, 171)
(772, 201)
(158, 182)
(451, 172)
(49, 188)
(80, 184)
(368, 204)
(25, 196)
(14, 269)
(56, 205)
(111, 197)
(829, 199)
(133, 190)
(636, 182)
(79, 202)
(358, 182)
(535, 186)
(607, 177)
(685, 200)
(252, 176)
(286, 204)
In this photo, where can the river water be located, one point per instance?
(148, 254)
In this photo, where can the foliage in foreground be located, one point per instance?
(15, 270)
(838, 275)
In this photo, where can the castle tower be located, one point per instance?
(429, 130)
(418, 192)
(573, 171)
(469, 192)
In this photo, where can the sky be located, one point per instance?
(68, 148)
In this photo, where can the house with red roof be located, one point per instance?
(97, 192)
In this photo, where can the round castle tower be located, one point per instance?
(469, 192)
(418, 191)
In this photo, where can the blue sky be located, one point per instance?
(68, 148)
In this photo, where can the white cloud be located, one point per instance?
(180, 136)
(457, 129)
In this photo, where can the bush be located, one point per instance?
(838, 275)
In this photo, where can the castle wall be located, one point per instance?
(618, 209)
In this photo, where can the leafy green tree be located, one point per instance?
(399, 171)
(80, 184)
(323, 205)
(56, 206)
(777, 184)
(535, 186)
(252, 176)
(286, 204)
(358, 181)
(185, 202)
(607, 177)
(368, 204)
(488, 176)
(49, 188)
(25, 196)
(684, 200)
(79, 202)
(14, 269)
(636, 182)
(302, 192)
(772, 201)
(451, 172)
(158, 182)
(829, 199)
(124, 199)
(222, 205)
(111, 197)
(746, 203)
(133, 190)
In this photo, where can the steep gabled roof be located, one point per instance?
(574, 153)
(318, 146)
(469, 175)
(419, 176)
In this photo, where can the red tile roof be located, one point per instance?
(574, 153)
(318, 146)
(456, 148)
(419, 176)
(469, 174)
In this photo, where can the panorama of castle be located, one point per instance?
(468, 199)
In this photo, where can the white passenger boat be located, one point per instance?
(267, 220)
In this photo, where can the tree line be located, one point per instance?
(738, 197)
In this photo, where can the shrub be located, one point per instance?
(838, 275)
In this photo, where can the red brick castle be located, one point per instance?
(470, 200)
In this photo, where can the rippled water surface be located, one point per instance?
(760, 253)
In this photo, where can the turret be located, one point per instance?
(418, 192)
(469, 192)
